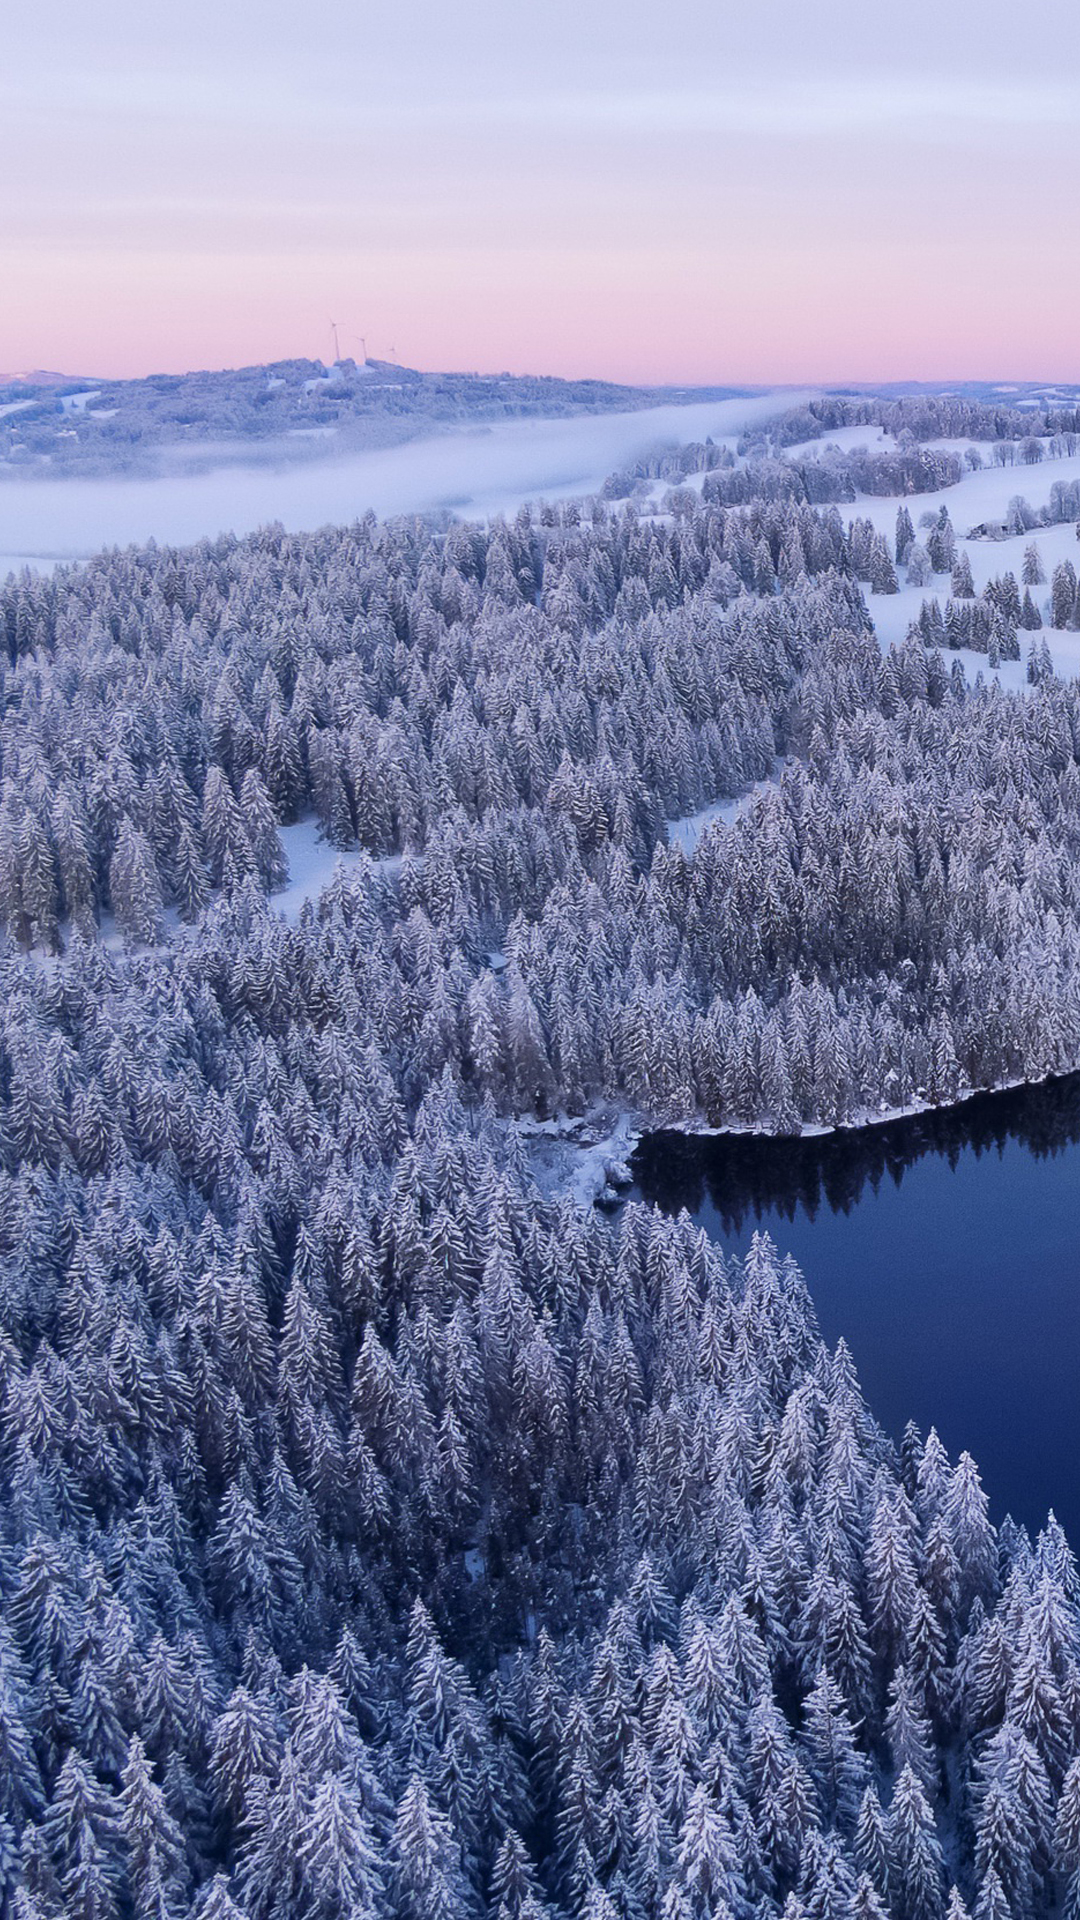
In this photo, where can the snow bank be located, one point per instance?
(586, 1157)
(858, 1123)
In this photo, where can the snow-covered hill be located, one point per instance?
(169, 422)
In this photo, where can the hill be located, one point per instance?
(291, 409)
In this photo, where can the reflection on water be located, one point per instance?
(748, 1178)
(946, 1250)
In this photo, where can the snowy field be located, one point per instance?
(847, 439)
(477, 471)
(313, 865)
(978, 497)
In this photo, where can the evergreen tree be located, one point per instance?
(915, 1853)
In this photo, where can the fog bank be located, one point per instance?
(477, 471)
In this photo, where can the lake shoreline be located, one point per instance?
(943, 1247)
(582, 1166)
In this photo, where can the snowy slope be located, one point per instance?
(978, 497)
(686, 832)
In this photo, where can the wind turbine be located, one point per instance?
(337, 352)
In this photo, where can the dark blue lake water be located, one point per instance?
(946, 1250)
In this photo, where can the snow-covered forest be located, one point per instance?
(514, 714)
(380, 1534)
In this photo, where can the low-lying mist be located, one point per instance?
(475, 471)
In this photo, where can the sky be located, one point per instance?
(641, 190)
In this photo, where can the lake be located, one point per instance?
(945, 1249)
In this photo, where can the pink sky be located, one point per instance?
(684, 192)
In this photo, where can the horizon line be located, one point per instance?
(835, 384)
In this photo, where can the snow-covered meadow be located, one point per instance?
(978, 498)
(686, 833)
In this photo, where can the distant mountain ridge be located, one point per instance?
(39, 377)
(56, 424)
(297, 409)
